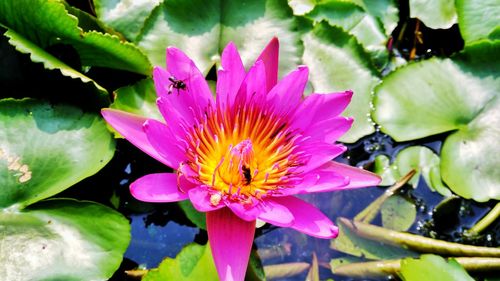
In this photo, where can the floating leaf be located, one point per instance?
(338, 63)
(419, 158)
(194, 262)
(403, 240)
(203, 32)
(392, 267)
(478, 19)
(38, 54)
(46, 148)
(385, 11)
(357, 19)
(45, 23)
(435, 266)
(301, 7)
(198, 218)
(398, 213)
(139, 98)
(62, 239)
(434, 13)
(443, 95)
(350, 243)
(124, 16)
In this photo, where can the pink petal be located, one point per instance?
(270, 56)
(159, 188)
(318, 180)
(308, 219)
(200, 197)
(183, 68)
(163, 140)
(319, 107)
(252, 87)
(248, 212)
(266, 210)
(231, 241)
(321, 153)
(357, 176)
(287, 94)
(130, 126)
(329, 130)
(275, 213)
(231, 75)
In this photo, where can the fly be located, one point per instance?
(176, 84)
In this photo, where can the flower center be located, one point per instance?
(244, 153)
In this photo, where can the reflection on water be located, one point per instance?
(151, 243)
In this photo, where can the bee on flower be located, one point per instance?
(245, 155)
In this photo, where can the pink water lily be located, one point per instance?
(245, 155)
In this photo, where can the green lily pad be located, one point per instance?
(435, 266)
(126, 17)
(45, 23)
(338, 63)
(46, 148)
(301, 7)
(203, 32)
(139, 99)
(198, 218)
(62, 239)
(434, 13)
(419, 158)
(385, 11)
(478, 19)
(352, 244)
(194, 262)
(39, 55)
(456, 95)
(398, 213)
(363, 20)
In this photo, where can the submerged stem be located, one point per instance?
(481, 225)
(370, 212)
(392, 267)
(417, 242)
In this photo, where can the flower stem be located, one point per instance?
(417, 242)
(392, 267)
(370, 212)
(481, 225)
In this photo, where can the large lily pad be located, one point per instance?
(203, 32)
(50, 62)
(62, 239)
(193, 263)
(46, 148)
(125, 16)
(434, 13)
(139, 98)
(45, 23)
(478, 19)
(435, 266)
(458, 95)
(371, 23)
(338, 63)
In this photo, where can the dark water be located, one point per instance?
(161, 230)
